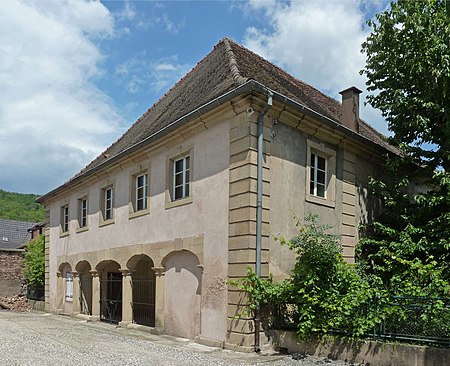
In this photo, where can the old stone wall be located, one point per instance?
(11, 278)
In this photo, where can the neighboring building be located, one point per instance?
(13, 237)
(152, 230)
(14, 234)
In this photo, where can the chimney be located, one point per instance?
(350, 108)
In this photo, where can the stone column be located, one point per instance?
(127, 298)
(76, 293)
(60, 293)
(95, 295)
(159, 296)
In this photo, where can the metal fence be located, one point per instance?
(409, 319)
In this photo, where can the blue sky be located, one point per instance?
(74, 75)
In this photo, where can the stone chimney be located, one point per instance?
(350, 108)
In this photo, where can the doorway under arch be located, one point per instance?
(110, 291)
(144, 290)
(83, 268)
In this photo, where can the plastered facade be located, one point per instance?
(194, 247)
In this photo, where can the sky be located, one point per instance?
(75, 74)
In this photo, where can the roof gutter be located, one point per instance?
(248, 86)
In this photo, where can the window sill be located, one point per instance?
(106, 222)
(140, 213)
(64, 234)
(180, 202)
(82, 229)
(320, 201)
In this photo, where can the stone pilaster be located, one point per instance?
(242, 221)
(159, 296)
(127, 298)
(348, 229)
(95, 294)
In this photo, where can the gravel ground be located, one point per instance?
(36, 338)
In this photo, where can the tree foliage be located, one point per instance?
(408, 66)
(34, 261)
(21, 207)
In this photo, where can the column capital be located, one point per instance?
(159, 271)
(94, 273)
(75, 273)
(125, 271)
(58, 274)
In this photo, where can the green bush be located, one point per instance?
(34, 261)
(323, 292)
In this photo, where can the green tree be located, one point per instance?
(34, 261)
(408, 69)
(21, 207)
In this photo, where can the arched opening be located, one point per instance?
(110, 291)
(144, 291)
(182, 295)
(85, 277)
(66, 289)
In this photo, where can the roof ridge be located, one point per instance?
(236, 75)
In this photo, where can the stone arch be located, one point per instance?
(143, 281)
(83, 269)
(182, 298)
(111, 290)
(65, 287)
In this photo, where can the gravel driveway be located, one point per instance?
(37, 338)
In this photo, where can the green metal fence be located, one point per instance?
(409, 319)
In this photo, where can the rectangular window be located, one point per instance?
(141, 192)
(181, 178)
(69, 286)
(318, 176)
(65, 218)
(108, 203)
(82, 211)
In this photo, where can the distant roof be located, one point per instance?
(227, 67)
(14, 233)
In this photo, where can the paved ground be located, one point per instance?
(37, 338)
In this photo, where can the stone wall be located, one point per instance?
(11, 278)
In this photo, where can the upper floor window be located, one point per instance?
(65, 218)
(107, 203)
(181, 178)
(83, 212)
(321, 174)
(318, 176)
(141, 192)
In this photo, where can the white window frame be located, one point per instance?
(83, 205)
(315, 151)
(108, 203)
(144, 189)
(185, 173)
(314, 179)
(65, 218)
(69, 286)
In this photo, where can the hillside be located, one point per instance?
(18, 206)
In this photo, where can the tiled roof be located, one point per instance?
(14, 233)
(225, 68)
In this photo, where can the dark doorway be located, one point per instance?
(143, 282)
(86, 294)
(111, 298)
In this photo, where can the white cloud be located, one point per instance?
(317, 41)
(139, 73)
(53, 118)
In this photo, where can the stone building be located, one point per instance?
(151, 231)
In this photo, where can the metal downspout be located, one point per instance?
(260, 132)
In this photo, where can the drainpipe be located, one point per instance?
(259, 208)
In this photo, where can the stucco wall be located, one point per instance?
(205, 217)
